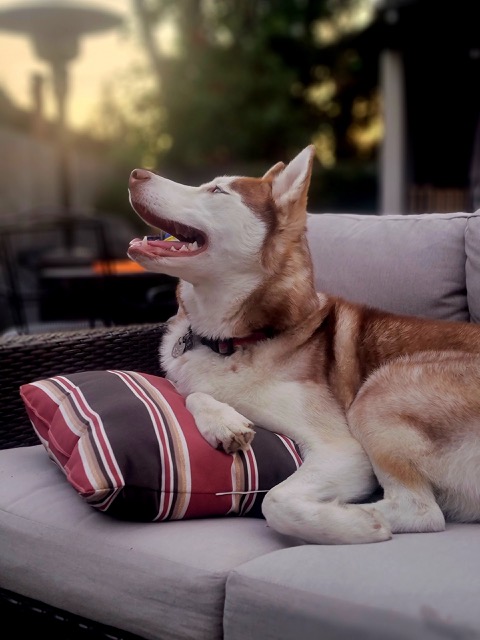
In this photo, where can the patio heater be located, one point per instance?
(55, 28)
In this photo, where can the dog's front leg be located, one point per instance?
(219, 423)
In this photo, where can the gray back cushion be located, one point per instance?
(425, 265)
(472, 267)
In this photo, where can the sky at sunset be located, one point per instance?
(102, 57)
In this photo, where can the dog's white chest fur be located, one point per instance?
(228, 379)
(251, 382)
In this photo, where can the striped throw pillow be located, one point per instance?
(128, 445)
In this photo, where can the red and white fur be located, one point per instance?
(367, 395)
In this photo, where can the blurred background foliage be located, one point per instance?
(387, 90)
(232, 87)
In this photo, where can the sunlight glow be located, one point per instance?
(102, 57)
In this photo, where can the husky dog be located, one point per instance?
(367, 395)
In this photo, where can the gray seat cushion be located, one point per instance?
(406, 264)
(153, 579)
(415, 587)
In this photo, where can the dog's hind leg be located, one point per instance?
(409, 503)
(404, 418)
(312, 503)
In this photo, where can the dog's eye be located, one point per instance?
(218, 189)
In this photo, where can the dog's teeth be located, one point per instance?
(173, 249)
(183, 248)
(193, 246)
(144, 241)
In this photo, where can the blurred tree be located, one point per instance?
(253, 80)
(232, 86)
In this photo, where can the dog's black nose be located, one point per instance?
(139, 175)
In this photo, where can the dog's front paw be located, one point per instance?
(233, 436)
(220, 424)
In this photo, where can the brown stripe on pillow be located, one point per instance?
(100, 468)
(113, 436)
(238, 483)
(275, 455)
(161, 433)
(245, 476)
(252, 480)
(175, 448)
(278, 460)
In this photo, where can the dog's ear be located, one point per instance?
(291, 184)
(274, 171)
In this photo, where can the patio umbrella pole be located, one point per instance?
(60, 84)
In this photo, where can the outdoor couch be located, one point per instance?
(72, 572)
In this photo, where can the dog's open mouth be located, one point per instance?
(184, 241)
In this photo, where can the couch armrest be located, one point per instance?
(32, 357)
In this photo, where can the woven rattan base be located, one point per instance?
(27, 618)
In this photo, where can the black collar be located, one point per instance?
(224, 347)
